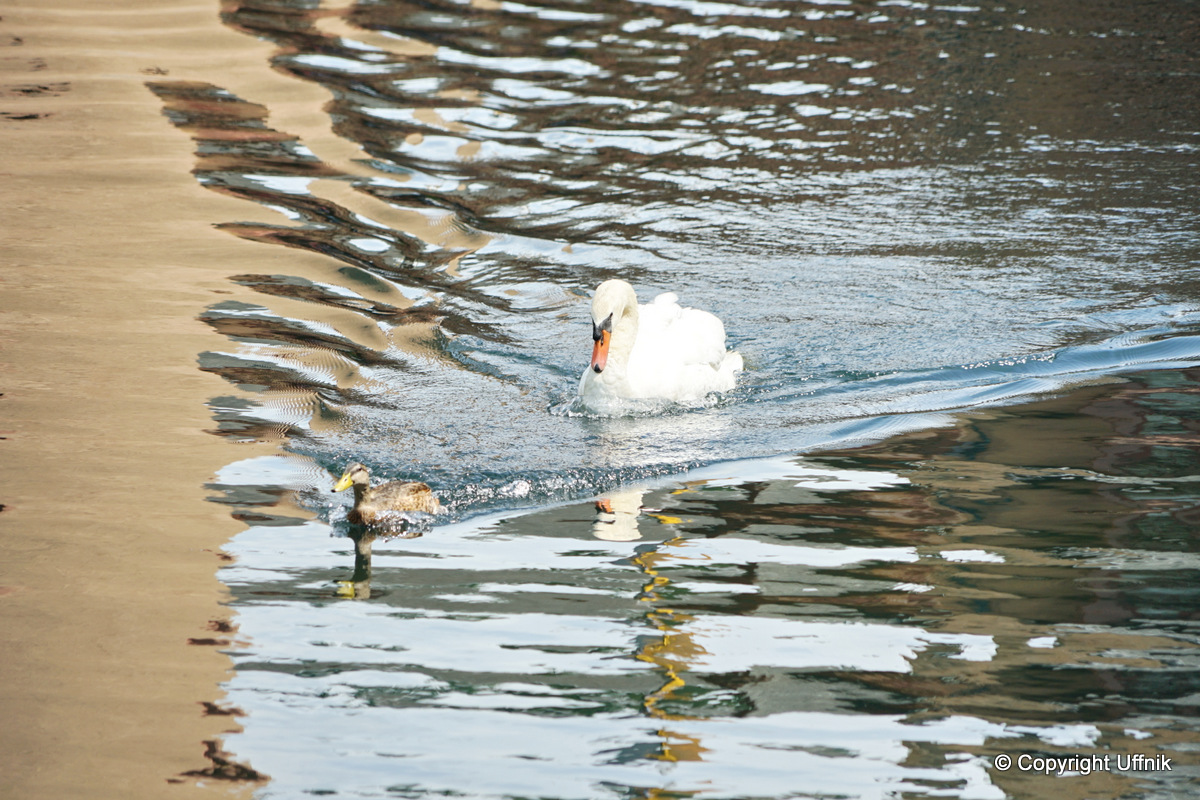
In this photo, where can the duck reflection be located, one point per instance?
(358, 587)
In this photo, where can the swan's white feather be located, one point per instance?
(660, 351)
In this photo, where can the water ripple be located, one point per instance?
(897, 208)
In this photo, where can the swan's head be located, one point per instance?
(614, 303)
(355, 474)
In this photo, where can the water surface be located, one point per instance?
(865, 623)
(899, 209)
(871, 196)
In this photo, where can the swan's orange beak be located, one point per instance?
(600, 351)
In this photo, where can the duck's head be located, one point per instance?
(355, 474)
(613, 305)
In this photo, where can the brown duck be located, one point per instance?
(374, 503)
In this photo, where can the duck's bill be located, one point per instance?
(600, 351)
(343, 483)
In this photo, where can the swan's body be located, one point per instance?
(659, 351)
(373, 504)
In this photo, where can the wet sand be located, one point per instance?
(110, 610)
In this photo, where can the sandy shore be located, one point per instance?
(110, 610)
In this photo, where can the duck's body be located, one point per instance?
(659, 351)
(374, 504)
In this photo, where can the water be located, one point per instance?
(898, 209)
(866, 623)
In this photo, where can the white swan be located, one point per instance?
(657, 352)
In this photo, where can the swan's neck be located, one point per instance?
(624, 334)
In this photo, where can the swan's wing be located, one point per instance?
(666, 299)
(682, 336)
(659, 314)
(699, 337)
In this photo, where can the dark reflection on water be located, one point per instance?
(898, 208)
(861, 623)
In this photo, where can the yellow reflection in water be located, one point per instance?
(673, 653)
